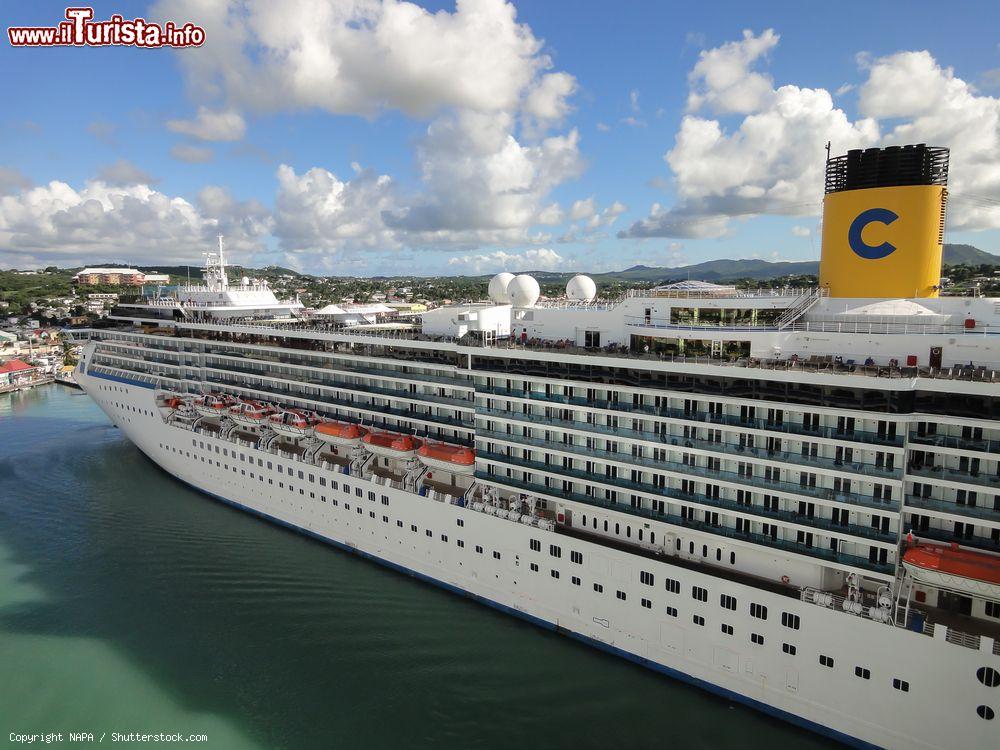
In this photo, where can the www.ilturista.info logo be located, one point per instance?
(79, 30)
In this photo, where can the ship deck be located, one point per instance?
(958, 622)
(713, 570)
(310, 336)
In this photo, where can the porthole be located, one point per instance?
(985, 712)
(988, 676)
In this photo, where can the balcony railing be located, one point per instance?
(796, 488)
(687, 471)
(950, 441)
(943, 506)
(703, 418)
(405, 414)
(974, 540)
(761, 539)
(310, 378)
(981, 478)
(730, 450)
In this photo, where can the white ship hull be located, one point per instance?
(938, 710)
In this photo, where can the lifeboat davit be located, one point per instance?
(454, 458)
(954, 568)
(340, 433)
(391, 444)
(212, 404)
(294, 423)
(172, 401)
(250, 413)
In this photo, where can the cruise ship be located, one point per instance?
(789, 497)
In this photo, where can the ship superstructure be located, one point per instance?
(787, 496)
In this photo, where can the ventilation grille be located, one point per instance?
(887, 167)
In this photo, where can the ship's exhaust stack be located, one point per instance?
(883, 222)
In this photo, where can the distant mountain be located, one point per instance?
(967, 255)
(761, 270)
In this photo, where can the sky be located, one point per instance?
(373, 137)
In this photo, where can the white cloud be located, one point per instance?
(191, 154)
(941, 109)
(12, 180)
(723, 82)
(57, 222)
(478, 176)
(603, 127)
(488, 159)
(362, 57)
(548, 102)
(799, 231)
(633, 122)
(633, 100)
(771, 163)
(124, 172)
(209, 125)
(316, 211)
(583, 209)
(540, 259)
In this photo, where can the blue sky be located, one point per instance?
(385, 139)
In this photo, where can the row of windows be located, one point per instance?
(986, 675)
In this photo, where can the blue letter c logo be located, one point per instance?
(870, 252)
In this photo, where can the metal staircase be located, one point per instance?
(802, 304)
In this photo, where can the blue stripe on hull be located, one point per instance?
(673, 673)
(118, 379)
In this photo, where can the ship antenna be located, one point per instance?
(828, 150)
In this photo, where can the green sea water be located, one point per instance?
(131, 603)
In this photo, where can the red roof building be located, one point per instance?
(14, 372)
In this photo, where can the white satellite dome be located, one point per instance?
(581, 288)
(498, 288)
(524, 291)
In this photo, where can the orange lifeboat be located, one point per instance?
(340, 433)
(212, 404)
(954, 568)
(391, 444)
(294, 423)
(454, 458)
(250, 413)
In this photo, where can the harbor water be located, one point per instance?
(131, 603)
